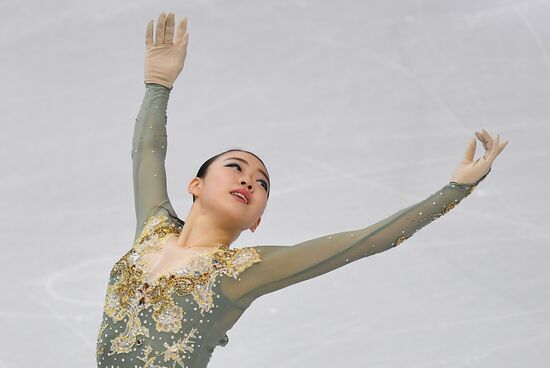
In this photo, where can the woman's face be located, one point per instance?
(230, 171)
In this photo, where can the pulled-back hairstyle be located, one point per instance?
(204, 167)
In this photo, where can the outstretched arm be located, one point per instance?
(281, 266)
(164, 60)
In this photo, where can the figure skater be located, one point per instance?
(173, 296)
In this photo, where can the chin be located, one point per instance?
(233, 212)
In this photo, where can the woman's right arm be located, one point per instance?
(164, 59)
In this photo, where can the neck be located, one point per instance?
(203, 232)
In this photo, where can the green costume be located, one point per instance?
(178, 318)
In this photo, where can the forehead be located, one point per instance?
(251, 159)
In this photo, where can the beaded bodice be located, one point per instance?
(164, 320)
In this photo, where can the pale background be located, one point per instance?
(358, 108)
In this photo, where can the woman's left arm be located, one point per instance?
(164, 60)
(281, 266)
(149, 145)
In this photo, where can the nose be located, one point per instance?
(249, 186)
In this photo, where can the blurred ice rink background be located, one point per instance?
(374, 99)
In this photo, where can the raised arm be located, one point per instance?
(149, 145)
(281, 266)
(164, 60)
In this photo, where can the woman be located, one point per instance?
(173, 296)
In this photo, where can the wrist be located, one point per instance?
(164, 85)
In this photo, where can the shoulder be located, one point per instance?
(156, 226)
(241, 259)
(232, 262)
(265, 251)
(238, 259)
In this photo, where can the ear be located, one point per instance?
(194, 186)
(253, 228)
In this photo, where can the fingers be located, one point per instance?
(483, 140)
(149, 35)
(489, 139)
(161, 24)
(470, 150)
(182, 48)
(169, 33)
(480, 137)
(502, 146)
(494, 153)
(165, 31)
(495, 146)
(182, 35)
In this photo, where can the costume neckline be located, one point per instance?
(176, 271)
(171, 272)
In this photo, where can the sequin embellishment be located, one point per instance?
(130, 293)
(171, 352)
(446, 208)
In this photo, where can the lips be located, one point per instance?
(244, 193)
(240, 198)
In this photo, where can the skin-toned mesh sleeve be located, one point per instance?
(281, 266)
(149, 145)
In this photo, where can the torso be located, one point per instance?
(165, 306)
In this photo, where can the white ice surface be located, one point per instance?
(374, 99)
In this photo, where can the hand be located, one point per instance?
(164, 58)
(472, 172)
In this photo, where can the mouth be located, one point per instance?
(239, 197)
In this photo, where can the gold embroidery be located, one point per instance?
(123, 343)
(129, 294)
(449, 206)
(155, 230)
(102, 328)
(171, 353)
(400, 240)
(100, 350)
(100, 346)
(168, 318)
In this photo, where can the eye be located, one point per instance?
(237, 165)
(264, 183)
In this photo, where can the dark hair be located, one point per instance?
(204, 167)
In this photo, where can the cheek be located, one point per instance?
(227, 177)
(222, 180)
(214, 189)
(261, 202)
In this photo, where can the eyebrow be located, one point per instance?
(243, 160)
